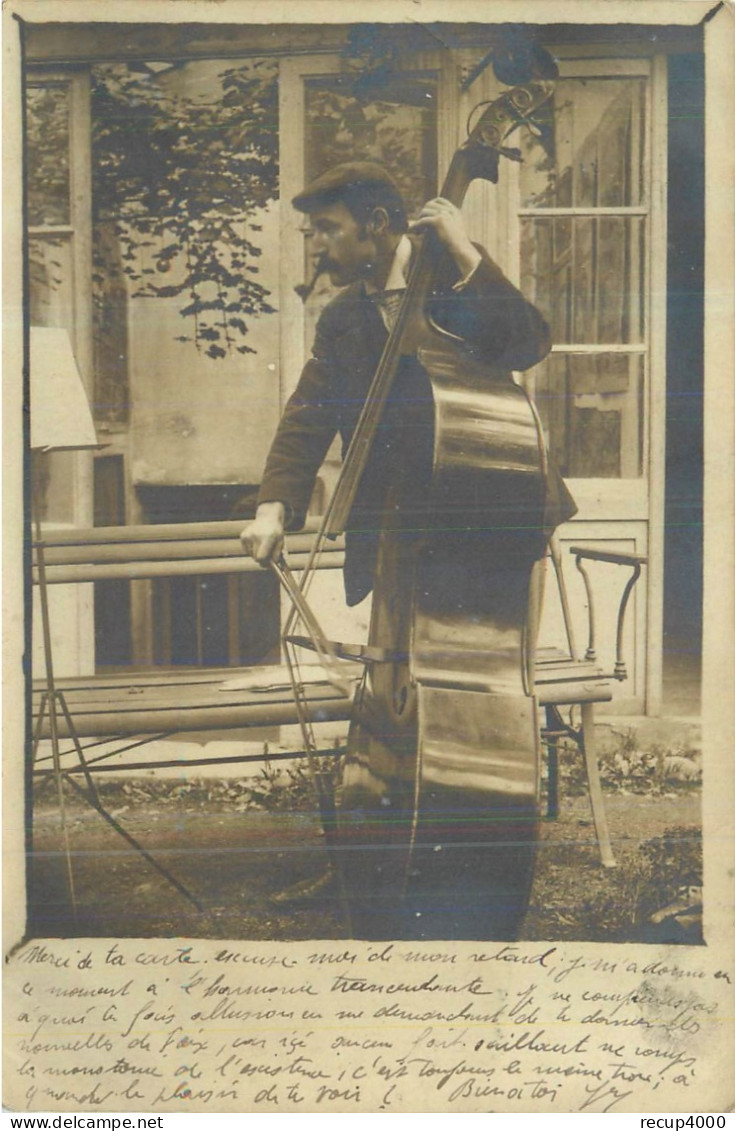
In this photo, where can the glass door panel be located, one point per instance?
(586, 275)
(592, 247)
(399, 135)
(584, 255)
(590, 407)
(596, 127)
(47, 150)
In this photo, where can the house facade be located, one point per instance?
(601, 225)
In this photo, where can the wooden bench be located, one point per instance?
(159, 702)
(137, 707)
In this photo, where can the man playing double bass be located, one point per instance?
(361, 237)
(364, 242)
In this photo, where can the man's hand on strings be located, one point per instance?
(263, 537)
(446, 220)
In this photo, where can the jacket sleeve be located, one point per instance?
(500, 327)
(306, 430)
(493, 318)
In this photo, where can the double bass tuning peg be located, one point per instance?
(501, 116)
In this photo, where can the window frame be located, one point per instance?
(611, 509)
(649, 348)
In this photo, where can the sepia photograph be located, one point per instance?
(358, 545)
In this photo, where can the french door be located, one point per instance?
(580, 226)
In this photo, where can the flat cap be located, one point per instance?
(342, 178)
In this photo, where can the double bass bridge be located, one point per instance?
(358, 653)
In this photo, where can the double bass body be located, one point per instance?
(439, 792)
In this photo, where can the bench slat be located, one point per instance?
(559, 694)
(210, 710)
(169, 551)
(153, 532)
(569, 671)
(137, 570)
(174, 677)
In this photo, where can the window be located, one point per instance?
(48, 109)
(57, 186)
(112, 637)
(212, 620)
(401, 135)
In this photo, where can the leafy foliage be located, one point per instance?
(276, 786)
(627, 767)
(670, 862)
(662, 869)
(47, 154)
(340, 128)
(181, 180)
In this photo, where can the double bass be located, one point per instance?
(436, 812)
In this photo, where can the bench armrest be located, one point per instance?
(635, 562)
(617, 558)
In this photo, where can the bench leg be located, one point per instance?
(597, 801)
(552, 764)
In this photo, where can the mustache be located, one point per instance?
(323, 264)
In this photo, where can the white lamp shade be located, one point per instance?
(60, 414)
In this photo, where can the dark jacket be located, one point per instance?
(496, 325)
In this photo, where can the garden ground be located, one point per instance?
(232, 853)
